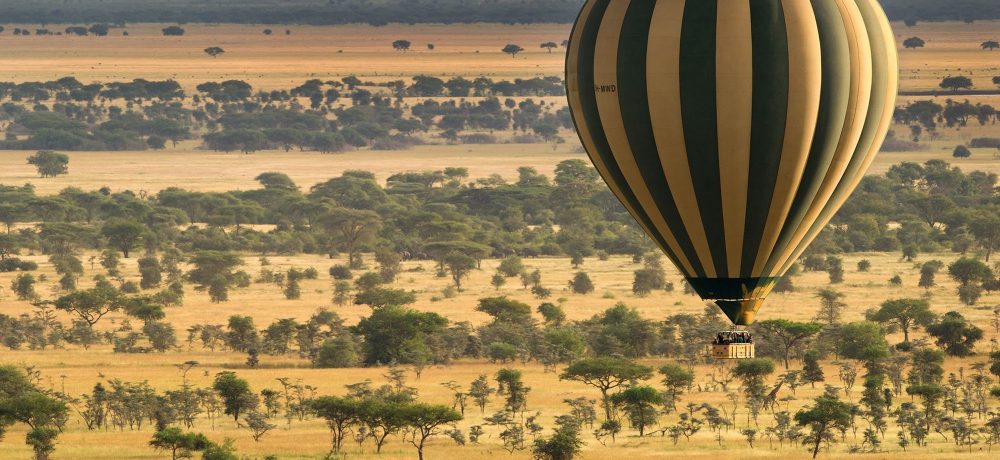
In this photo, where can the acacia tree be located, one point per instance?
(676, 379)
(424, 421)
(913, 43)
(790, 333)
(970, 273)
(831, 307)
(276, 181)
(986, 229)
(22, 402)
(237, 398)
(91, 305)
(258, 425)
(753, 373)
(512, 50)
(24, 287)
(401, 45)
(214, 272)
(565, 443)
(49, 163)
(811, 370)
(823, 419)
(606, 373)
(549, 46)
(510, 384)
(498, 280)
(581, 283)
(10, 214)
(340, 414)
(351, 228)
(381, 418)
(863, 341)
(511, 266)
(179, 443)
(955, 334)
(173, 31)
(150, 271)
(9, 245)
(377, 297)
(990, 45)
(639, 403)
(956, 83)
(480, 392)
(906, 314)
(214, 51)
(928, 272)
(459, 265)
(123, 234)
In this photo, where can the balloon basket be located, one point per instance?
(733, 351)
(733, 344)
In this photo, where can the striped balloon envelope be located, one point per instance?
(732, 130)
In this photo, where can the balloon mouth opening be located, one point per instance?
(739, 298)
(741, 312)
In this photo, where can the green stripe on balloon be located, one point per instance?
(770, 112)
(633, 96)
(589, 115)
(699, 112)
(834, 96)
(882, 68)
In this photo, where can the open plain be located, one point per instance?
(281, 61)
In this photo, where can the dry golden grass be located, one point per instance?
(201, 170)
(952, 49)
(193, 169)
(280, 61)
(981, 160)
(77, 370)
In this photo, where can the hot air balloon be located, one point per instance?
(732, 130)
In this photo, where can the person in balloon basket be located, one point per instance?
(730, 338)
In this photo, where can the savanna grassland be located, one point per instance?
(76, 370)
(280, 61)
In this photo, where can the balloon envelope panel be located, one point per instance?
(732, 130)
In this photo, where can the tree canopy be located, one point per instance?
(905, 314)
(49, 163)
(606, 373)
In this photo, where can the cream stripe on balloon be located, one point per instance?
(804, 83)
(664, 87)
(859, 98)
(883, 47)
(734, 101)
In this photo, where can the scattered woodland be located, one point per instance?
(337, 115)
(194, 244)
(139, 115)
(436, 313)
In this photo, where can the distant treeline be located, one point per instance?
(322, 12)
(66, 114)
(318, 12)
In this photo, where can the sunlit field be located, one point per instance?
(76, 370)
(279, 60)
(202, 170)
(282, 61)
